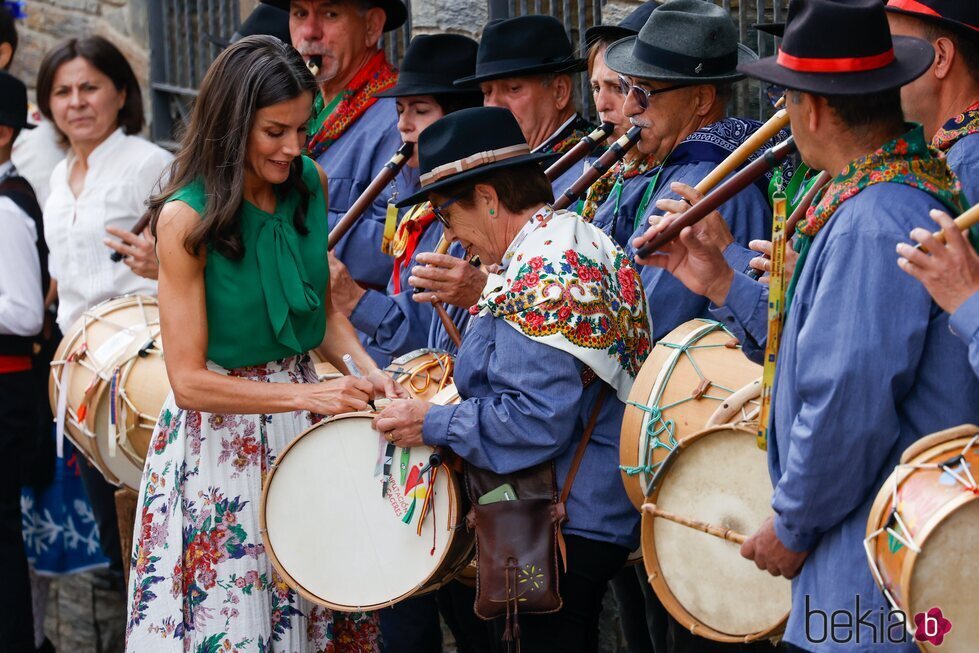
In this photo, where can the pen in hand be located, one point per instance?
(348, 360)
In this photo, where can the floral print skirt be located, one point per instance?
(200, 578)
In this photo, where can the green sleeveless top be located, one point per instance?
(268, 305)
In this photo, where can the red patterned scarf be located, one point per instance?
(962, 125)
(330, 121)
(405, 241)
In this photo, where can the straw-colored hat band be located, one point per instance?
(473, 161)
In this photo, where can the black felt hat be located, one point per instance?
(467, 144)
(13, 102)
(521, 46)
(960, 16)
(775, 29)
(684, 41)
(397, 12)
(264, 19)
(628, 26)
(842, 47)
(432, 63)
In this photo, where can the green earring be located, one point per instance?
(492, 212)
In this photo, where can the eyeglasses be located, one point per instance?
(437, 210)
(642, 95)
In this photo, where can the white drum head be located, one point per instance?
(946, 576)
(330, 531)
(722, 479)
(120, 466)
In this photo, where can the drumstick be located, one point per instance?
(965, 221)
(716, 531)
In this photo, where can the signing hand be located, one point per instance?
(139, 251)
(770, 554)
(450, 279)
(949, 272)
(344, 290)
(401, 422)
(343, 395)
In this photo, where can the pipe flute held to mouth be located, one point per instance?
(582, 149)
(612, 155)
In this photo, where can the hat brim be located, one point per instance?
(912, 57)
(405, 90)
(773, 29)
(608, 33)
(216, 40)
(570, 65)
(16, 122)
(959, 28)
(619, 58)
(395, 10)
(422, 195)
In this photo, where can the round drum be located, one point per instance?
(422, 373)
(333, 537)
(108, 383)
(717, 476)
(686, 378)
(922, 532)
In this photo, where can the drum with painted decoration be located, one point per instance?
(688, 375)
(108, 383)
(717, 477)
(920, 542)
(338, 541)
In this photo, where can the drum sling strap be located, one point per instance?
(518, 541)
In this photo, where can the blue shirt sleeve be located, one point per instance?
(963, 159)
(840, 373)
(529, 418)
(745, 313)
(396, 324)
(965, 324)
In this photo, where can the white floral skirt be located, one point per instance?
(200, 579)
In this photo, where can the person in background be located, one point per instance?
(21, 318)
(87, 89)
(353, 133)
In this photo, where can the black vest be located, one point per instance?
(20, 192)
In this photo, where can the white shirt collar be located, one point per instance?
(7, 169)
(102, 150)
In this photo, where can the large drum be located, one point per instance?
(333, 537)
(423, 373)
(717, 477)
(108, 383)
(687, 377)
(922, 534)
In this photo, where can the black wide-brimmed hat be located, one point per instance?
(522, 46)
(628, 26)
(264, 19)
(775, 29)
(396, 11)
(684, 41)
(960, 16)
(467, 144)
(842, 47)
(13, 102)
(432, 63)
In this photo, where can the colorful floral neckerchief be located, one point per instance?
(567, 285)
(962, 125)
(600, 191)
(331, 120)
(905, 160)
(569, 135)
(405, 241)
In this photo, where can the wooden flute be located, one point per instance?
(383, 178)
(722, 193)
(609, 158)
(582, 149)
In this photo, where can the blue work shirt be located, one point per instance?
(963, 159)
(438, 337)
(965, 324)
(748, 216)
(866, 357)
(616, 216)
(393, 324)
(351, 163)
(524, 404)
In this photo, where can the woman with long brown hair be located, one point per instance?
(244, 294)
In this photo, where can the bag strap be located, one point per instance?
(579, 454)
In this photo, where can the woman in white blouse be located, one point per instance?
(88, 90)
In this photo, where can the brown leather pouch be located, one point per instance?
(518, 543)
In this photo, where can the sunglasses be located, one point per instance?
(642, 95)
(438, 211)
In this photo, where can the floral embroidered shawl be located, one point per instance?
(566, 284)
(962, 125)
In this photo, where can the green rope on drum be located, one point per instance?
(656, 425)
